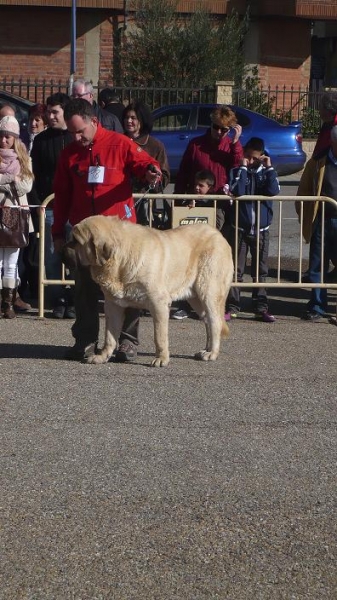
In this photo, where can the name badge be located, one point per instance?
(96, 175)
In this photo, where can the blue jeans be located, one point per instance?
(319, 298)
(53, 263)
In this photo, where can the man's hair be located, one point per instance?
(144, 116)
(223, 116)
(255, 143)
(87, 85)
(205, 175)
(108, 95)
(329, 102)
(59, 98)
(80, 107)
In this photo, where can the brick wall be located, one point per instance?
(36, 43)
(284, 52)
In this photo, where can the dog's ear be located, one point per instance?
(68, 254)
(80, 233)
(101, 252)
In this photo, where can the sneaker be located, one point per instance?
(265, 316)
(311, 315)
(69, 312)
(231, 314)
(79, 352)
(125, 352)
(179, 315)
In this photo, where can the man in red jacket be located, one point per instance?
(94, 177)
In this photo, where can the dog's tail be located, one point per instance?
(224, 330)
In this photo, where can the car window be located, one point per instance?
(173, 120)
(204, 119)
(21, 115)
(243, 120)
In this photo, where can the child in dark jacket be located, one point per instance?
(204, 182)
(256, 177)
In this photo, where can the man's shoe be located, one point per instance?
(312, 315)
(265, 316)
(125, 352)
(59, 309)
(180, 315)
(230, 314)
(80, 353)
(69, 312)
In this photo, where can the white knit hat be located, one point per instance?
(10, 125)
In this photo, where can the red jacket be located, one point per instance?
(76, 199)
(203, 153)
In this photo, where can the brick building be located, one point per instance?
(292, 41)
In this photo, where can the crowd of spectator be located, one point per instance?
(68, 136)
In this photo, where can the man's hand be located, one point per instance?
(58, 244)
(153, 175)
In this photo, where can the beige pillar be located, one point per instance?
(224, 92)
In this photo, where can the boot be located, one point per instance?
(19, 304)
(7, 303)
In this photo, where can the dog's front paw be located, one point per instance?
(205, 355)
(160, 362)
(97, 359)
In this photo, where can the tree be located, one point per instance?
(164, 48)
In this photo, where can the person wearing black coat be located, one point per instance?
(46, 149)
(84, 89)
(109, 100)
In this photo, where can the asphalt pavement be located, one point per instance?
(191, 482)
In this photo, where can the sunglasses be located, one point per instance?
(218, 128)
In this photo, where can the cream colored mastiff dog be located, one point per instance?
(148, 269)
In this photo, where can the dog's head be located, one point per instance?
(89, 244)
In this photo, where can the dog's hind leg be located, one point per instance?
(200, 309)
(114, 317)
(214, 322)
(160, 313)
(197, 306)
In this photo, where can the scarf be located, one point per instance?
(9, 162)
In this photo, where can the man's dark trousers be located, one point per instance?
(86, 327)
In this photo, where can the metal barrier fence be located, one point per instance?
(218, 200)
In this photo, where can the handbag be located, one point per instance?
(14, 224)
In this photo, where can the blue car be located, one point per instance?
(175, 125)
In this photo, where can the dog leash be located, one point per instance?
(128, 210)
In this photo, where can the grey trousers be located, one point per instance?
(85, 330)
